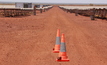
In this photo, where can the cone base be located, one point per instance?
(62, 60)
(55, 51)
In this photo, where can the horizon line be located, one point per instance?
(50, 2)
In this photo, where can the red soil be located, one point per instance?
(30, 40)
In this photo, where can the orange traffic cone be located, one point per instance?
(58, 42)
(62, 52)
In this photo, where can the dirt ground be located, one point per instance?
(30, 40)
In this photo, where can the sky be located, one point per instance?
(59, 1)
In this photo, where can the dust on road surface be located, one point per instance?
(30, 40)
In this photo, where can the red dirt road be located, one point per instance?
(30, 40)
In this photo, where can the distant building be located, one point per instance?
(24, 5)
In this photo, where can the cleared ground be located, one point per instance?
(30, 40)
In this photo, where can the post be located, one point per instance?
(76, 12)
(40, 10)
(44, 9)
(92, 12)
(4, 12)
(34, 10)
